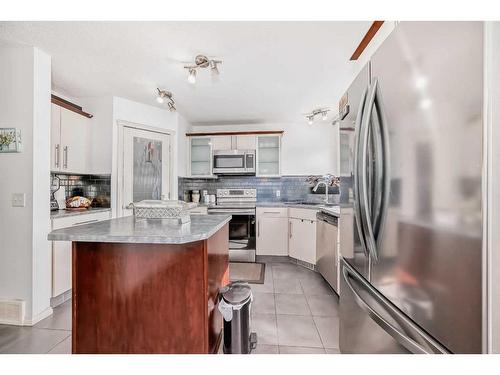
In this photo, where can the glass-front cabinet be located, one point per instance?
(200, 157)
(269, 155)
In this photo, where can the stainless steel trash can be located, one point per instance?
(235, 303)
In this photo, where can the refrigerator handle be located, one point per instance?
(357, 131)
(399, 336)
(377, 170)
(364, 200)
(385, 164)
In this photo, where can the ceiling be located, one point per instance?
(271, 71)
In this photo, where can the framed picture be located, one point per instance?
(10, 140)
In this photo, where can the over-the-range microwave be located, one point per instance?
(234, 162)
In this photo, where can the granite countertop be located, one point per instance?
(65, 213)
(131, 230)
(332, 210)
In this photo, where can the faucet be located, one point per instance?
(327, 180)
(322, 182)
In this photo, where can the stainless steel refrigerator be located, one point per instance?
(411, 194)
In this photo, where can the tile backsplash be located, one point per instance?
(96, 187)
(292, 188)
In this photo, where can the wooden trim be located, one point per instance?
(256, 132)
(366, 39)
(69, 106)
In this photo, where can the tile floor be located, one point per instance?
(51, 335)
(294, 312)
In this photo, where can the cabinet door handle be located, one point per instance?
(57, 156)
(65, 157)
(258, 228)
(290, 228)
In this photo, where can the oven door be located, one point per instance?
(241, 232)
(225, 163)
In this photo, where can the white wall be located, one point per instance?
(306, 149)
(183, 127)
(25, 257)
(492, 133)
(127, 110)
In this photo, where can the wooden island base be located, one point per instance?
(148, 298)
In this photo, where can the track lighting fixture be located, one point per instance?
(323, 112)
(166, 95)
(201, 62)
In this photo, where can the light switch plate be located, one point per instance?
(278, 193)
(19, 200)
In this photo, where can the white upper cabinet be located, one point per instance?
(70, 142)
(245, 142)
(233, 142)
(55, 138)
(268, 152)
(200, 156)
(269, 155)
(75, 142)
(222, 142)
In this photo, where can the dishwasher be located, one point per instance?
(326, 248)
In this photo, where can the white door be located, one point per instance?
(146, 168)
(272, 236)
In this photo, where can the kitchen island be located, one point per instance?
(147, 286)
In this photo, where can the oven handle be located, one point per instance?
(232, 212)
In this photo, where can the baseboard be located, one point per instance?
(38, 317)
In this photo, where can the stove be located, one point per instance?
(240, 203)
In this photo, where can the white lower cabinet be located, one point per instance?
(283, 231)
(302, 239)
(61, 250)
(272, 231)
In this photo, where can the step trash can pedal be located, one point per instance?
(235, 301)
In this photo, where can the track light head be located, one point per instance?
(192, 76)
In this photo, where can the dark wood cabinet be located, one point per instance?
(148, 298)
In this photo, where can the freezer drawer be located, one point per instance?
(369, 323)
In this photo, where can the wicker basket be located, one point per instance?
(156, 209)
